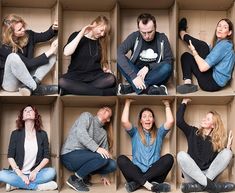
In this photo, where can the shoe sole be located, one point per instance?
(24, 92)
(186, 91)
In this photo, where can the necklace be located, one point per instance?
(95, 48)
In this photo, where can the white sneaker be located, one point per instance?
(52, 185)
(10, 188)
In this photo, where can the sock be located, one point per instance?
(148, 185)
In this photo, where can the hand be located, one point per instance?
(142, 72)
(139, 83)
(25, 179)
(103, 152)
(55, 25)
(107, 70)
(54, 47)
(230, 140)
(85, 30)
(32, 175)
(105, 181)
(129, 100)
(191, 47)
(166, 102)
(186, 100)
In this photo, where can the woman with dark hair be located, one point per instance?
(147, 167)
(28, 154)
(88, 72)
(19, 69)
(213, 66)
(207, 155)
(87, 149)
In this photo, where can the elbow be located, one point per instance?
(170, 123)
(204, 69)
(66, 53)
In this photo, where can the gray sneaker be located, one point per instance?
(160, 187)
(131, 186)
(77, 184)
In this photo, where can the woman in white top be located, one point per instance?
(28, 154)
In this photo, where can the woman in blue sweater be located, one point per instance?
(147, 168)
(212, 67)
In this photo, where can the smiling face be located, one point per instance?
(19, 29)
(147, 120)
(28, 113)
(222, 30)
(207, 121)
(99, 31)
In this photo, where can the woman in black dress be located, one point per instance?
(88, 73)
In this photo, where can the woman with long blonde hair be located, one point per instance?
(88, 149)
(147, 168)
(207, 156)
(19, 69)
(88, 72)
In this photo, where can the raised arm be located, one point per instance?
(72, 45)
(125, 115)
(169, 116)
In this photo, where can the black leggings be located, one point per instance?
(189, 65)
(157, 172)
(102, 86)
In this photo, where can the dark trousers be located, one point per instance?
(189, 65)
(157, 172)
(85, 162)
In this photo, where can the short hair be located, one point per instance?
(145, 18)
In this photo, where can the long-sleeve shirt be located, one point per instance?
(199, 148)
(86, 133)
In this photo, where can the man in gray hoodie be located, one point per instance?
(151, 61)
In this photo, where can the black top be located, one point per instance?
(27, 55)
(85, 61)
(16, 147)
(201, 150)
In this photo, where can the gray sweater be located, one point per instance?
(134, 43)
(86, 133)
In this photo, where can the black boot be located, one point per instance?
(217, 187)
(42, 90)
(182, 25)
(191, 187)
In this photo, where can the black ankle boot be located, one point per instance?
(42, 90)
(191, 187)
(182, 25)
(217, 187)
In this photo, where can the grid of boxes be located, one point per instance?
(59, 112)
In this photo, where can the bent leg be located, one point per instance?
(16, 72)
(190, 168)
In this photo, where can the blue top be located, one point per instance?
(222, 59)
(145, 155)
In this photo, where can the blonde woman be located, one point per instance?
(207, 154)
(87, 149)
(19, 69)
(147, 168)
(88, 73)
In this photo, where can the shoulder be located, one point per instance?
(86, 114)
(42, 133)
(161, 36)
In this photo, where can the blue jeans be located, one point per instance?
(159, 75)
(43, 176)
(85, 162)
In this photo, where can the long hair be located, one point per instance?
(20, 123)
(218, 133)
(8, 38)
(230, 37)
(103, 40)
(153, 131)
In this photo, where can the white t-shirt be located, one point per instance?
(30, 154)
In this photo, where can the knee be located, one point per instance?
(50, 172)
(121, 160)
(12, 58)
(111, 79)
(226, 154)
(112, 165)
(181, 157)
(186, 56)
(52, 59)
(170, 159)
(4, 174)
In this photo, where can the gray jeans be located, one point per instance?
(193, 173)
(16, 73)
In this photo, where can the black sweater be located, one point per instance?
(201, 150)
(16, 147)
